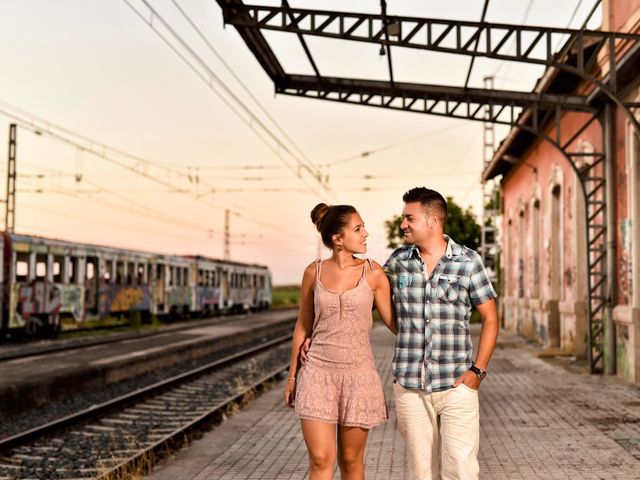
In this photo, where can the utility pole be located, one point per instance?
(10, 201)
(227, 241)
(490, 208)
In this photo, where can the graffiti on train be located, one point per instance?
(207, 297)
(45, 298)
(115, 298)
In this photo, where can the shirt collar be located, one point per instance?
(452, 250)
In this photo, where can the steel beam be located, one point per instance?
(534, 44)
(497, 106)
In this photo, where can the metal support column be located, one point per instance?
(490, 207)
(227, 240)
(10, 202)
(609, 173)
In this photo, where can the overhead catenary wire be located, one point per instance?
(39, 125)
(98, 149)
(244, 87)
(252, 119)
(103, 222)
(128, 206)
(373, 151)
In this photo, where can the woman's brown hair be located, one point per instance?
(331, 220)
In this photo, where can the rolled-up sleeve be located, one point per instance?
(480, 288)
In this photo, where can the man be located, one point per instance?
(435, 282)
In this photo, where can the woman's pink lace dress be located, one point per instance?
(339, 383)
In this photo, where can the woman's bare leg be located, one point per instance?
(351, 443)
(321, 443)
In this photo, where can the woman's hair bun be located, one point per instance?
(318, 213)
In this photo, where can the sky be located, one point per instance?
(121, 143)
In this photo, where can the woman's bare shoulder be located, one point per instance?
(311, 268)
(377, 272)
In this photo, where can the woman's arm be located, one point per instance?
(302, 330)
(382, 297)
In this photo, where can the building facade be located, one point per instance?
(545, 289)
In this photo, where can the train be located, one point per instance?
(49, 285)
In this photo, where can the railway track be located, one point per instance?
(30, 349)
(125, 435)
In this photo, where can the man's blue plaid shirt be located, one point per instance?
(433, 346)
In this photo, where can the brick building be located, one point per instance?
(545, 243)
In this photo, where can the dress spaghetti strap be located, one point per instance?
(369, 264)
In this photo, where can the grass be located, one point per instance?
(126, 322)
(285, 296)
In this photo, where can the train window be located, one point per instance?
(185, 276)
(130, 273)
(22, 267)
(119, 273)
(141, 273)
(202, 281)
(172, 275)
(159, 269)
(72, 269)
(108, 269)
(41, 266)
(91, 270)
(212, 278)
(57, 269)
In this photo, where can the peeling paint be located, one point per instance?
(624, 268)
(622, 358)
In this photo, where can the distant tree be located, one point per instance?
(461, 226)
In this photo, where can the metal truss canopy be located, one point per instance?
(477, 39)
(504, 107)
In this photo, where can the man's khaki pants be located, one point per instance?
(441, 431)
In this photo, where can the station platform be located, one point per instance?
(539, 420)
(38, 379)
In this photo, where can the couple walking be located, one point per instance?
(424, 294)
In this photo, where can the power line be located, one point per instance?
(39, 126)
(373, 151)
(49, 129)
(212, 76)
(102, 222)
(129, 207)
(241, 83)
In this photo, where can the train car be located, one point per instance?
(248, 289)
(226, 286)
(50, 284)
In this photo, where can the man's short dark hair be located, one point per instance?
(431, 200)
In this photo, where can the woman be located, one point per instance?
(338, 394)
